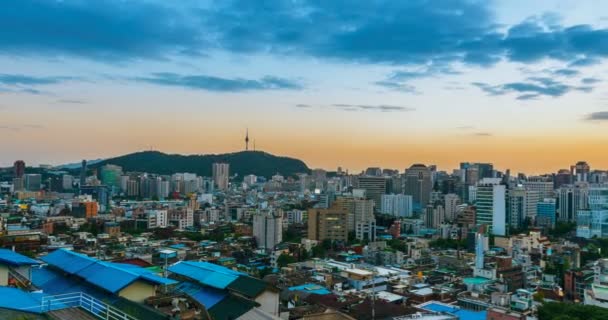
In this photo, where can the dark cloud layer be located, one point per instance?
(412, 32)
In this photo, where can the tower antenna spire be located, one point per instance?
(247, 139)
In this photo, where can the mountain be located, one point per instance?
(241, 163)
(77, 165)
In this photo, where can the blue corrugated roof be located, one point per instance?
(458, 312)
(204, 295)
(206, 273)
(68, 261)
(15, 259)
(311, 288)
(106, 275)
(17, 299)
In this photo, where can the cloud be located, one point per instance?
(19, 83)
(566, 72)
(590, 80)
(303, 106)
(400, 33)
(212, 83)
(465, 127)
(71, 101)
(362, 107)
(397, 86)
(20, 79)
(19, 127)
(533, 88)
(597, 116)
(482, 134)
(102, 30)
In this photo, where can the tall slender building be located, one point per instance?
(491, 205)
(83, 173)
(221, 175)
(19, 168)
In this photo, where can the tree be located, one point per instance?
(284, 259)
(319, 251)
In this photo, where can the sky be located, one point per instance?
(354, 84)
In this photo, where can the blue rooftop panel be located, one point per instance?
(457, 311)
(17, 299)
(68, 261)
(206, 273)
(311, 288)
(12, 258)
(205, 295)
(107, 277)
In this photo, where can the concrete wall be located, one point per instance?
(269, 302)
(3, 276)
(138, 291)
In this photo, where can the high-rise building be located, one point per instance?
(374, 187)
(542, 185)
(19, 169)
(398, 205)
(221, 175)
(67, 182)
(418, 184)
(267, 229)
(593, 222)
(328, 224)
(522, 205)
(562, 177)
(433, 216)
(83, 173)
(546, 211)
(491, 205)
(580, 172)
(451, 202)
(570, 200)
(32, 182)
(110, 176)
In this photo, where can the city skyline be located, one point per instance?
(514, 83)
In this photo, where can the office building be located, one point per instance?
(562, 177)
(546, 213)
(522, 206)
(110, 176)
(67, 182)
(451, 202)
(593, 222)
(328, 224)
(398, 205)
(570, 200)
(491, 205)
(83, 173)
(267, 229)
(374, 187)
(418, 184)
(32, 182)
(580, 172)
(221, 175)
(19, 169)
(542, 185)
